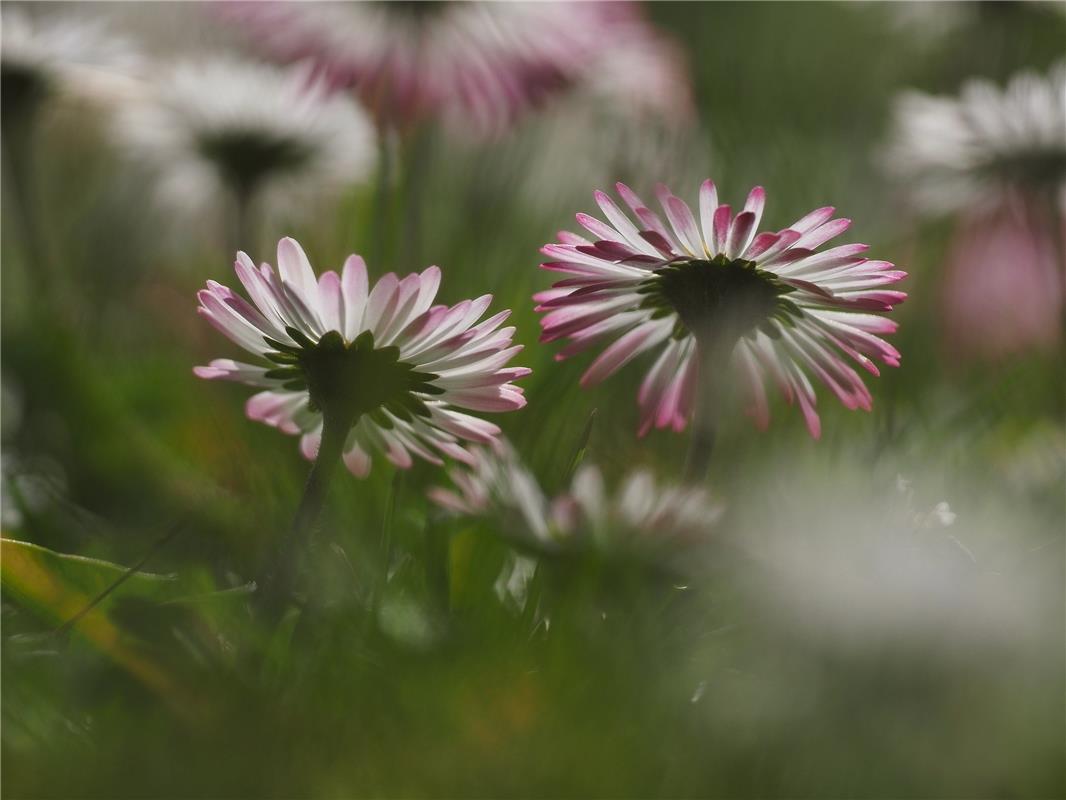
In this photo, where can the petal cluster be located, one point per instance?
(475, 65)
(828, 318)
(638, 517)
(466, 358)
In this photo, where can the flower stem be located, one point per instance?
(19, 165)
(281, 577)
(416, 156)
(329, 453)
(381, 218)
(713, 359)
(243, 197)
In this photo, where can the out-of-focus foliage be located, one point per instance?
(842, 636)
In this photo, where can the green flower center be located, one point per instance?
(346, 380)
(246, 158)
(721, 298)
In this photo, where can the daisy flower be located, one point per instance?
(247, 134)
(46, 53)
(713, 290)
(477, 65)
(952, 151)
(381, 368)
(640, 517)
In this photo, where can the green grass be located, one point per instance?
(754, 680)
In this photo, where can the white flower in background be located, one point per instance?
(640, 517)
(167, 30)
(220, 131)
(952, 152)
(48, 53)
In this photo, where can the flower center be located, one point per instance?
(416, 11)
(22, 89)
(246, 157)
(721, 298)
(346, 380)
(1034, 168)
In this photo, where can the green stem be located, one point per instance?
(281, 578)
(381, 218)
(19, 159)
(377, 589)
(334, 433)
(416, 153)
(713, 360)
(438, 578)
(242, 227)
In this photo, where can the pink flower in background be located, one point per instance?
(773, 304)
(476, 65)
(384, 357)
(1003, 282)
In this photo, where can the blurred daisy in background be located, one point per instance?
(954, 152)
(260, 141)
(46, 57)
(376, 368)
(45, 54)
(476, 66)
(167, 30)
(637, 97)
(716, 291)
(997, 158)
(640, 518)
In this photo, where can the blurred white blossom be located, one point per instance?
(218, 127)
(952, 152)
(641, 517)
(54, 53)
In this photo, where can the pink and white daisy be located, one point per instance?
(477, 65)
(639, 518)
(381, 363)
(713, 289)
